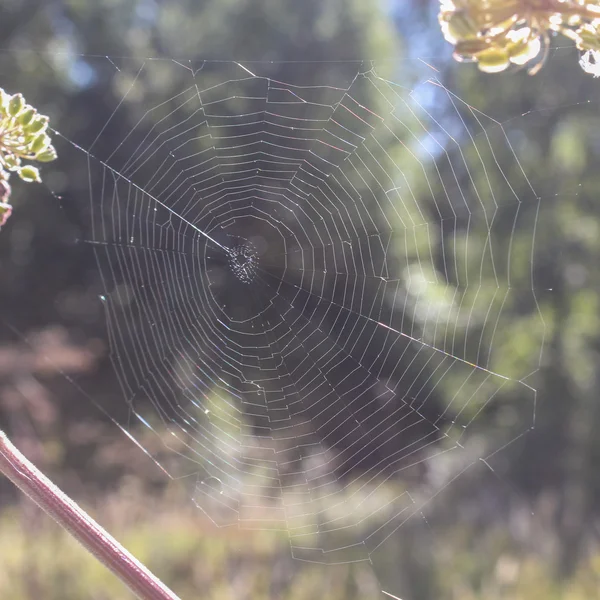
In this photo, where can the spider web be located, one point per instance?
(295, 287)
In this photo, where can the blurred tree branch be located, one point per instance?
(79, 524)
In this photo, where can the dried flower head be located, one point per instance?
(498, 33)
(23, 137)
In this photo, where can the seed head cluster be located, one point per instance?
(23, 137)
(499, 33)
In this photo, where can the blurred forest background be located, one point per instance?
(527, 529)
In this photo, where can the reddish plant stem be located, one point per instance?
(79, 524)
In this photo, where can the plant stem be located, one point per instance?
(79, 524)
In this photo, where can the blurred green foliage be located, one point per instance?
(39, 559)
(526, 530)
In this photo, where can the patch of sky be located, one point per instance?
(145, 13)
(67, 57)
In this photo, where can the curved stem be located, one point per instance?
(79, 524)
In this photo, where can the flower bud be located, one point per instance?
(493, 60)
(38, 124)
(46, 155)
(26, 116)
(465, 50)
(29, 174)
(12, 162)
(5, 212)
(4, 190)
(521, 53)
(39, 143)
(458, 26)
(4, 98)
(588, 38)
(16, 105)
